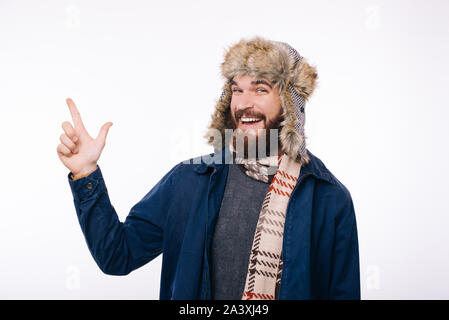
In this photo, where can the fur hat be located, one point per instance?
(287, 70)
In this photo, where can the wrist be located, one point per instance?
(84, 172)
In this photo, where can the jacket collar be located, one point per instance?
(315, 166)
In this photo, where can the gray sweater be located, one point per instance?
(234, 233)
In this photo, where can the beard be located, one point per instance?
(256, 143)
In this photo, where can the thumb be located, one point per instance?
(104, 131)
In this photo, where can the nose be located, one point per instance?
(244, 104)
(245, 101)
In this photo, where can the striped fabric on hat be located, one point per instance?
(298, 100)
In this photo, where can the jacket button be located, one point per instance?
(89, 185)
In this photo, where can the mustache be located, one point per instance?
(248, 113)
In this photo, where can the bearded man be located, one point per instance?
(259, 218)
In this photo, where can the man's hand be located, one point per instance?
(78, 151)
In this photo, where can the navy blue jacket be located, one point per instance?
(177, 217)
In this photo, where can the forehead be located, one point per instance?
(249, 80)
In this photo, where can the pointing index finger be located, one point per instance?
(77, 122)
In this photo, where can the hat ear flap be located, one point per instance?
(304, 78)
(290, 139)
(221, 119)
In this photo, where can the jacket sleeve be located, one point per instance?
(121, 247)
(345, 272)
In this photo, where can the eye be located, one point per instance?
(234, 90)
(262, 90)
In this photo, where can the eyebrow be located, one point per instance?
(259, 81)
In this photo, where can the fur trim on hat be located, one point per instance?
(262, 58)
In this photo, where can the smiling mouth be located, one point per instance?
(249, 121)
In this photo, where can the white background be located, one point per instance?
(378, 120)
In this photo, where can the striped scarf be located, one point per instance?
(265, 264)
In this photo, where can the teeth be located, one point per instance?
(249, 119)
